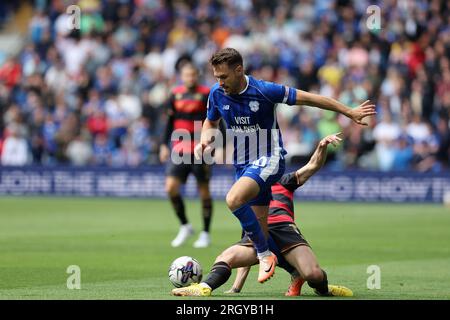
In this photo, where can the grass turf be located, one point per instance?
(123, 248)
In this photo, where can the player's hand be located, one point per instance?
(232, 291)
(164, 153)
(334, 139)
(363, 110)
(199, 149)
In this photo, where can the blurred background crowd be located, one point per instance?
(97, 95)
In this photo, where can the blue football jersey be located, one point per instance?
(251, 118)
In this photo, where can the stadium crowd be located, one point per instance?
(97, 95)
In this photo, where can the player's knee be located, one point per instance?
(172, 190)
(226, 256)
(205, 196)
(204, 193)
(234, 201)
(313, 274)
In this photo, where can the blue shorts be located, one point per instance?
(266, 171)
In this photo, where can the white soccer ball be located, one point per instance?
(185, 270)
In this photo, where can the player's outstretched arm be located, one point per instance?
(357, 114)
(206, 137)
(317, 159)
(238, 283)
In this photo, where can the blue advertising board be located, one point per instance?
(148, 182)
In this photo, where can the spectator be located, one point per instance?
(97, 123)
(386, 133)
(130, 104)
(15, 148)
(443, 136)
(403, 154)
(102, 150)
(79, 151)
(418, 130)
(120, 66)
(10, 73)
(328, 125)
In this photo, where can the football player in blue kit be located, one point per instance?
(248, 107)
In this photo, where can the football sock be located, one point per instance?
(219, 274)
(251, 226)
(207, 213)
(320, 286)
(204, 285)
(178, 206)
(294, 274)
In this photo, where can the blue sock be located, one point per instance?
(251, 226)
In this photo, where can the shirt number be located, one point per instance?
(261, 162)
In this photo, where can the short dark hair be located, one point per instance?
(188, 64)
(230, 56)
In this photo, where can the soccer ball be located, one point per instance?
(185, 270)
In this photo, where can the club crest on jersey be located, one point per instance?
(254, 106)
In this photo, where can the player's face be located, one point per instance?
(189, 76)
(228, 77)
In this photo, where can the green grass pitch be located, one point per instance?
(123, 248)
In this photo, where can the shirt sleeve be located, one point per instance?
(170, 119)
(278, 93)
(205, 97)
(212, 113)
(289, 181)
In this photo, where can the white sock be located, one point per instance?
(264, 254)
(205, 285)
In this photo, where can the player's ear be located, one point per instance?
(239, 69)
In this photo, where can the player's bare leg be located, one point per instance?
(238, 256)
(173, 185)
(173, 190)
(304, 260)
(241, 193)
(204, 238)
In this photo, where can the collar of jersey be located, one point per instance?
(245, 89)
